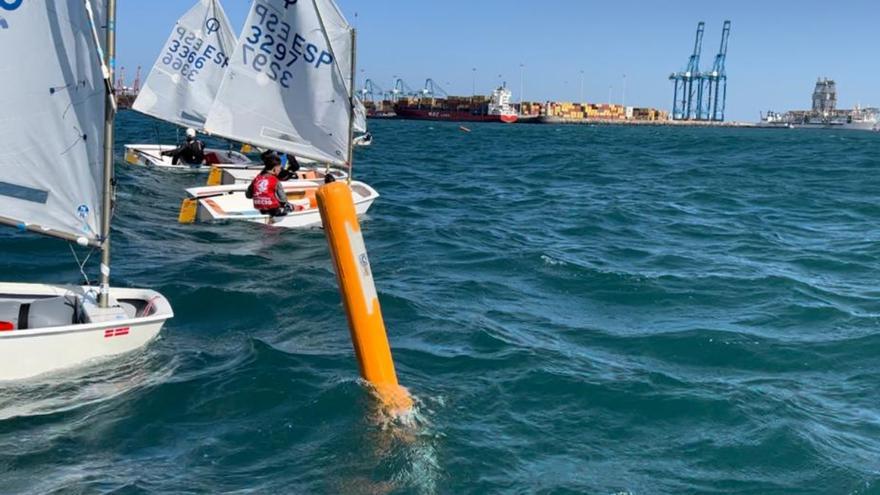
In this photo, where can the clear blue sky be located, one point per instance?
(777, 48)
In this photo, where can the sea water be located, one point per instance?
(575, 309)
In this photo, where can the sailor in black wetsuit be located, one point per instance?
(192, 152)
(288, 170)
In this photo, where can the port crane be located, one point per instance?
(136, 86)
(120, 82)
(371, 89)
(687, 95)
(433, 90)
(401, 88)
(715, 81)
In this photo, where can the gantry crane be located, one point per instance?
(371, 89)
(401, 88)
(433, 90)
(687, 94)
(715, 81)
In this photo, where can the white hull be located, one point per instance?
(49, 344)
(849, 126)
(363, 140)
(222, 203)
(150, 155)
(231, 175)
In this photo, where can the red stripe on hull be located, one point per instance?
(116, 332)
(451, 116)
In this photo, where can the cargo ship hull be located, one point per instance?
(451, 115)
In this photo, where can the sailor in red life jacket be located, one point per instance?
(267, 191)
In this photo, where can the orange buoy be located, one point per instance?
(355, 277)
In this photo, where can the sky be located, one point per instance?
(625, 48)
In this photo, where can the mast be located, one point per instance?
(351, 105)
(109, 117)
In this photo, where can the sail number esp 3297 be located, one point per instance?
(273, 49)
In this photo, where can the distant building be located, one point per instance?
(825, 97)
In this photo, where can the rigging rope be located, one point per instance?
(82, 265)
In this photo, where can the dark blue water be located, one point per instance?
(576, 310)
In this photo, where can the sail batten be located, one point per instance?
(187, 74)
(51, 166)
(284, 89)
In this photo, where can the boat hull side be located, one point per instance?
(29, 353)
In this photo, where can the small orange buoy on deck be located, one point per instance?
(355, 277)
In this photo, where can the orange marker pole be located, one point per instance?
(359, 295)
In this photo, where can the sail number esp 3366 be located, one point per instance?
(187, 53)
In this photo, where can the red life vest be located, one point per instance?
(264, 192)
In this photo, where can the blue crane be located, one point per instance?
(687, 99)
(716, 80)
(401, 89)
(371, 89)
(433, 90)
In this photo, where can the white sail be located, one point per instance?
(285, 88)
(339, 34)
(52, 118)
(360, 116)
(185, 78)
(99, 13)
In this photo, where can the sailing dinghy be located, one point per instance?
(310, 169)
(183, 83)
(296, 96)
(150, 155)
(364, 137)
(228, 175)
(221, 203)
(56, 179)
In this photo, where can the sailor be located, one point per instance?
(289, 165)
(192, 152)
(267, 191)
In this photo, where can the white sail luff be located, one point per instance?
(99, 52)
(187, 74)
(51, 129)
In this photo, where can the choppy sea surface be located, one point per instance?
(575, 309)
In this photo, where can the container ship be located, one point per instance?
(460, 109)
